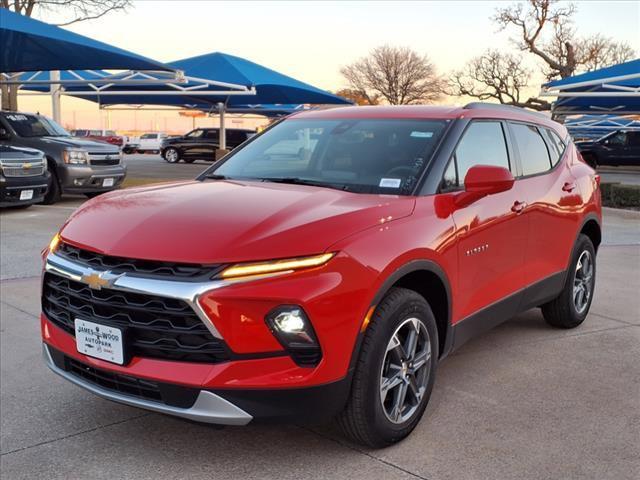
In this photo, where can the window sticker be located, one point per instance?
(17, 118)
(390, 182)
(416, 134)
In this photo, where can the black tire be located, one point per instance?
(189, 160)
(591, 160)
(171, 155)
(562, 312)
(364, 419)
(54, 191)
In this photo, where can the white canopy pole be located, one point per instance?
(223, 132)
(55, 96)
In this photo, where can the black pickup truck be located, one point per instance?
(621, 147)
(201, 144)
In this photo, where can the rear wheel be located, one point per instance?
(571, 307)
(395, 371)
(171, 155)
(591, 160)
(54, 191)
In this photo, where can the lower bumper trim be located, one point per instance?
(208, 407)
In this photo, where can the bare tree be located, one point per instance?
(495, 76)
(546, 30)
(400, 76)
(72, 10)
(358, 97)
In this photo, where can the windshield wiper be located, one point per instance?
(216, 176)
(303, 181)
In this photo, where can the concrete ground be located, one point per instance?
(523, 401)
(150, 166)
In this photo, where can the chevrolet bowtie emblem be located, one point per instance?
(99, 280)
(26, 166)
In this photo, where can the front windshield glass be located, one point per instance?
(35, 126)
(358, 155)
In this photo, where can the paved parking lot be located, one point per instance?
(523, 401)
(149, 166)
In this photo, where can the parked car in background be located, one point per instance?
(75, 165)
(201, 144)
(150, 142)
(23, 176)
(108, 136)
(621, 147)
(327, 277)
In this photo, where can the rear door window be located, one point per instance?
(534, 153)
(556, 146)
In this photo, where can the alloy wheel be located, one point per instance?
(405, 370)
(171, 155)
(583, 282)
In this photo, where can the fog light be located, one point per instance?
(292, 328)
(78, 181)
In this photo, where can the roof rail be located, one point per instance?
(500, 106)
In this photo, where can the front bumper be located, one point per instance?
(10, 190)
(88, 178)
(207, 408)
(222, 406)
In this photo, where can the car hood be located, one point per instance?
(7, 152)
(75, 142)
(226, 221)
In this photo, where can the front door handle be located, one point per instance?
(518, 207)
(568, 187)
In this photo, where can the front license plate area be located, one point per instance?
(100, 341)
(26, 194)
(108, 182)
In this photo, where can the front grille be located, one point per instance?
(148, 268)
(155, 327)
(23, 168)
(104, 158)
(125, 384)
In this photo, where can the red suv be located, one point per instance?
(324, 267)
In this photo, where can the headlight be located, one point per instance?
(276, 266)
(75, 157)
(54, 243)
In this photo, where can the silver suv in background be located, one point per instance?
(75, 165)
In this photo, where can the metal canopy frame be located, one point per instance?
(178, 83)
(615, 87)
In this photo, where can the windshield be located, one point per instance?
(359, 155)
(35, 126)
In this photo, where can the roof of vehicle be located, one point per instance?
(471, 110)
(227, 129)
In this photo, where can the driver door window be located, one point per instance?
(483, 143)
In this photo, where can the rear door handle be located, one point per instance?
(568, 187)
(518, 206)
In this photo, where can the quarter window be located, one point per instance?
(533, 149)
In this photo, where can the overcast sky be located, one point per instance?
(312, 40)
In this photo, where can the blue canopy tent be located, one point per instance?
(31, 45)
(612, 90)
(248, 84)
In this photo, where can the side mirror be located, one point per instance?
(483, 180)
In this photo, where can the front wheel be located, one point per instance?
(395, 371)
(571, 307)
(54, 190)
(171, 155)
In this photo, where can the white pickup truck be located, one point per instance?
(150, 142)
